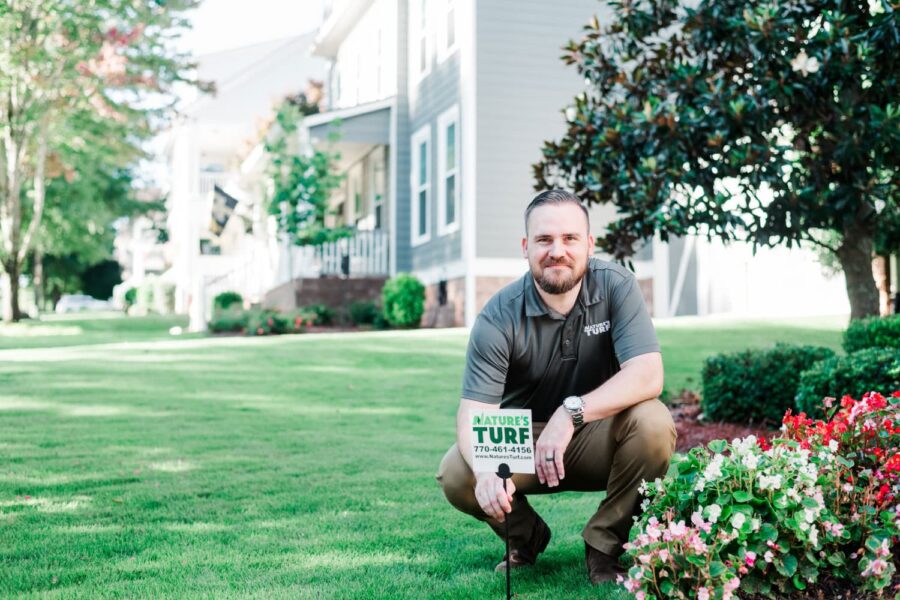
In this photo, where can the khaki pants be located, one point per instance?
(613, 454)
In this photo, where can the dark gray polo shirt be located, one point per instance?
(524, 355)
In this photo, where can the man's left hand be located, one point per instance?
(553, 443)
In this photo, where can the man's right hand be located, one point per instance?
(494, 501)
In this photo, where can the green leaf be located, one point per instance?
(717, 446)
(743, 496)
(768, 532)
(790, 564)
(798, 582)
(716, 568)
(809, 503)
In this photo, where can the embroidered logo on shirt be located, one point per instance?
(596, 328)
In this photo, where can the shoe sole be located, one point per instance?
(501, 568)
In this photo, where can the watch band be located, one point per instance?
(577, 414)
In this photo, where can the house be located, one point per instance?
(218, 229)
(441, 108)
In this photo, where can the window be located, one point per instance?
(421, 185)
(448, 171)
(421, 42)
(447, 30)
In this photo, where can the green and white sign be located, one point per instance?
(501, 436)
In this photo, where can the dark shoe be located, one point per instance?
(601, 567)
(527, 555)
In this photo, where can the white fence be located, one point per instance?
(365, 254)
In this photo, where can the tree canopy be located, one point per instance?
(771, 123)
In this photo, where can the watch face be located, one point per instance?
(573, 403)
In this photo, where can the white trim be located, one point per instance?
(445, 119)
(465, 34)
(347, 113)
(392, 190)
(445, 272)
(421, 136)
(443, 50)
(660, 278)
(416, 35)
(686, 252)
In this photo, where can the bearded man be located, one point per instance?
(572, 341)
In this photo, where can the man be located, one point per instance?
(573, 342)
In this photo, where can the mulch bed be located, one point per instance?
(693, 432)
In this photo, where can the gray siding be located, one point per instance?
(370, 128)
(401, 236)
(437, 92)
(522, 86)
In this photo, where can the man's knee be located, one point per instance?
(651, 424)
(456, 480)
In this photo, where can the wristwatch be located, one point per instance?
(574, 405)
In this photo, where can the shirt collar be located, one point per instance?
(589, 295)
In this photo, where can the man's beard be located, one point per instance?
(558, 285)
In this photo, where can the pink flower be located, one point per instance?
(750, 558)
(768, 556)
(664, 555)
(639, 596)
(703, 594)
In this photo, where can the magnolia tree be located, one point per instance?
(773, 123)
(94, 75)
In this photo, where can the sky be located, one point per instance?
(222, 24)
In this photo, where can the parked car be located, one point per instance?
(80, 302)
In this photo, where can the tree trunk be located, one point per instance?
(9, 286)
(855, 254)
(38, 278)
(882, 272)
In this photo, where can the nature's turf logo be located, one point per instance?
(502, 436)
(596, 328)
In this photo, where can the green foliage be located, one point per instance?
(854, 374)
(874, 332)
(322, 314)
(363, 313)
(130, 297)
(228, 321)
(403, 299)
(303, 183)
(227, 299)
(761, 122)
(100, 279)
(756, 385)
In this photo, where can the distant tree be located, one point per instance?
(99, 280)
(302, 181)
(770, 122)
(66, 67)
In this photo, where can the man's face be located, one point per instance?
(557, 246)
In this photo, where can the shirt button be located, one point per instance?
(567, 342)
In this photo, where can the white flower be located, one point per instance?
(712, 512)
(809, 516)
(814, 536)
(571, 113)
(768, 556)
(833, 445)
(805, 64)
(875, 7)
(738, 520)
(750, 461)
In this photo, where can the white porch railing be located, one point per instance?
(365, 254)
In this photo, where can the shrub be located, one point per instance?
(130, 297)
(772, 518)
(265, 322)
(224, 321)
(756, 385)
(874, 332)
(403, 299)
(363, 313)
(226, 300)
(322, 315)
(857, 373)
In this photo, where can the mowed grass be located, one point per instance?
(290, 467)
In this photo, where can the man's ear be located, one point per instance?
(591, 245)
(524, 247)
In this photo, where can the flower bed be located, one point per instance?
(777, 518)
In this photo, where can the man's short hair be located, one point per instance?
(556, 197)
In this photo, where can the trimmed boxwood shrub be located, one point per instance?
(756, 385)
(854, 374)
(226, 300)
(874, 332)
(403, 299)
(322, 314)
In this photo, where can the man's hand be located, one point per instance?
(491, 497)
(552, 444)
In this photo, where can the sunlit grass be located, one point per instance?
(291, 467)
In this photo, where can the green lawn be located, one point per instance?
(290, 467)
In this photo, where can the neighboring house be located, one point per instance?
(219, 234)
(441, 108)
